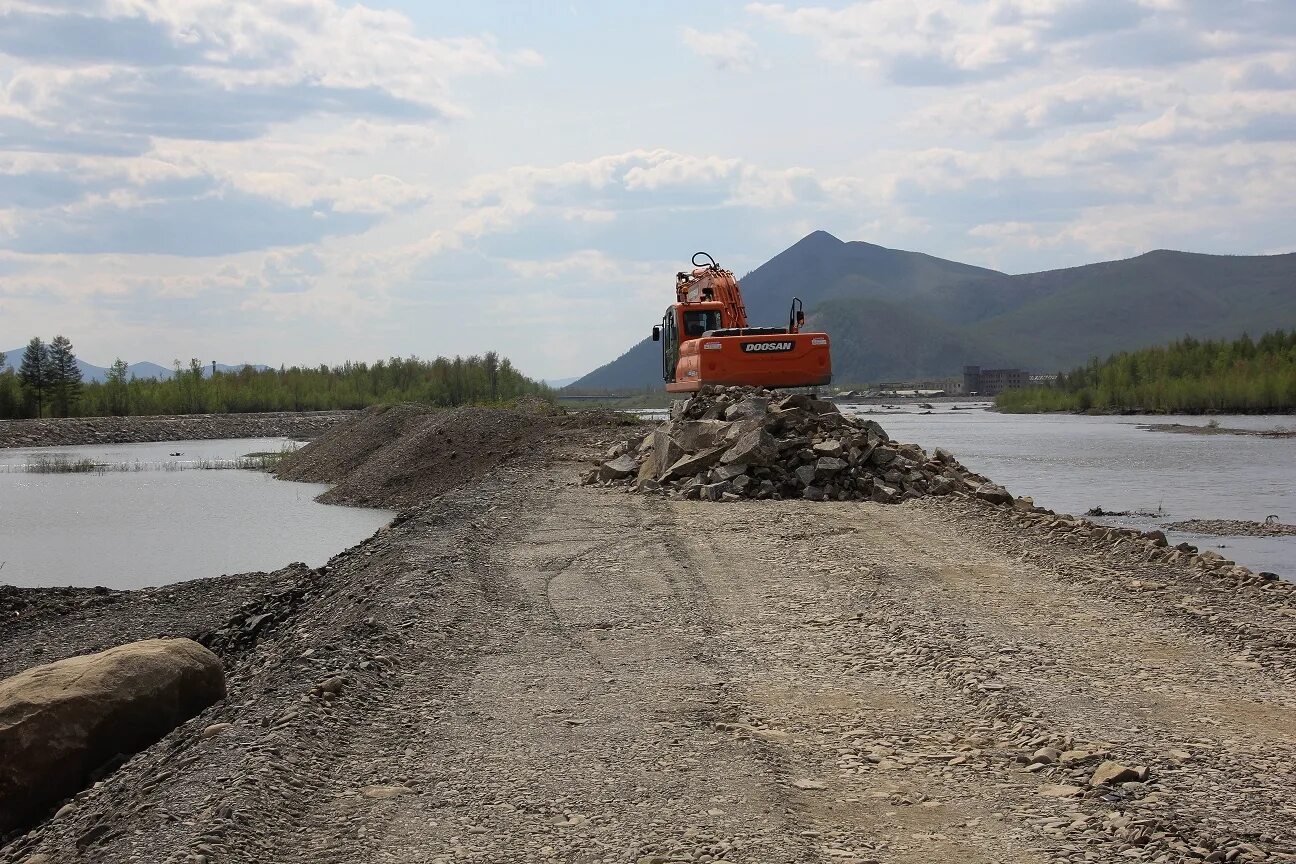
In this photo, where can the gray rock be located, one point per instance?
(694, 463)
(805, 475)
(715, 491)
(695, 435)
(882, 456)
(1111, 773)
(729, 472)
(827, 466)
(757, 447)
(752, 406)
(884, 494)
(813, 493)
(618, 468)
(831, 447)
(993, 493)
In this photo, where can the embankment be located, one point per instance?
(520, 668)
(70, 431)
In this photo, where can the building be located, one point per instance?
(992, 382)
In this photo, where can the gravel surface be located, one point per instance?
(66, 432)
(522, 669)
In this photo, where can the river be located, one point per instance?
(1072, 463)
(164, 520)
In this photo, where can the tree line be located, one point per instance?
(1190, 376)
(48, 382)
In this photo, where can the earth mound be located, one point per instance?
(397, 456)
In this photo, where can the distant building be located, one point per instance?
(943, 387)
(992, 382)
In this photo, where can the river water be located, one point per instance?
(160, 523)
(1072, 463)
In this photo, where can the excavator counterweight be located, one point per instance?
(705, 338)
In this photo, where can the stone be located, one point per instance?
(993, 493)
(941, 486)
(813, 493)
(60, 722)
(882, 456)
(1059, 790)
(332, 686)
(1112, 773)
(382, 793)
(808, 784)
(729, 472)
(619, 468)
(1158, 538)
(741, 483)
(757, 447)
(752, 406)
(831, 447)
(694, 463)
(666, 451)
(884, 494)
(715, 491)
(697, 435)
(805, 475)
(827, 466)
(216, 729)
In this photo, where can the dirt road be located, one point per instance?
(530, 670)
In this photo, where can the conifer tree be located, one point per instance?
(64, 376)
(34, 373)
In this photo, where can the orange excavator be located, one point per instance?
(705, 338)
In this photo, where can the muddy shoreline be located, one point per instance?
(1192, 429)
(71, 431)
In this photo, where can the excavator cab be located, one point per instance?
(705, 338)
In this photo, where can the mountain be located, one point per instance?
(898, 315)
(559, 383)
(145, 369)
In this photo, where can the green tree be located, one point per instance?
(8, 389)
(116, 390)
(34, 374)
(64, 377)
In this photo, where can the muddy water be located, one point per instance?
(1074, 463)
(161, 523)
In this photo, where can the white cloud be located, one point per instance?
(727, 49)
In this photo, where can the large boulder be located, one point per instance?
(62, 721)
(695, 435)
(757, 447)
(666, 451)
(693, 463)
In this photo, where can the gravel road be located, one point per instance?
(527, 670)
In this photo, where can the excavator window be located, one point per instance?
(697, 323)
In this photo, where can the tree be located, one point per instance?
(64, 376)
(34, 374)
(116, 391)
(491, 361)
(8, 389)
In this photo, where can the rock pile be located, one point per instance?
(729, 443)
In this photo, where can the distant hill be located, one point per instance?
(897, 315)
(144, 369)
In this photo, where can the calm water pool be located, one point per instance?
(152, 526)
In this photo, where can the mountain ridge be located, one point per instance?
(937, 315)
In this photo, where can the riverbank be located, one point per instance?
(536, 670)
(70, 431)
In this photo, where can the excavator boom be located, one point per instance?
(706, 338)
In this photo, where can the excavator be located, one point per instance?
(705, 338)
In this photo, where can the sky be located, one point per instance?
(312, 181)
